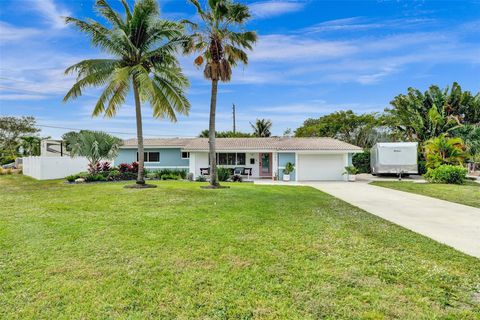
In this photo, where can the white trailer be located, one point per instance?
(394, 158)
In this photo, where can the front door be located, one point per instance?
(265, 164)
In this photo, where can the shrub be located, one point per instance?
(447, 174)
(201, 179)
(237, 178)
(351, 170)
(362, 162)
(105, 166)
(223, 174)
(72, 177)
(6, 160)
(95, 177)
(134, 167)
(124, 167)
(114, 175)
(170, 176)
(289, 167)
(127, 176)
(180, 174)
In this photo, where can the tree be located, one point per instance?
(470, 134)
(361, 130)
(261, 128)
(221, 42)
(31, 145)
(419, 116)
(93, 145)
(143, 49)
(443, 150)
(225, 134)
(12, 129)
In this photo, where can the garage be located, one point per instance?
(320, 166)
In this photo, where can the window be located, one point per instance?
(151, 156)
(231, 159)
(185, 155)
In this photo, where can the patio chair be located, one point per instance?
(247, 172)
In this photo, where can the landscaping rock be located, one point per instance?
(80, 180)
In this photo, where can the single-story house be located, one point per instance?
(313, 158)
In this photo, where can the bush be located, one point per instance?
(8, 171)
(201, 179)
(72, 177)
(6, 160)
(127, 176)
(170, 176)
(223, 174)
(361, 161)
(180, 174)
(95, 177)
(125, 167)
(447, 174)
(114, 175)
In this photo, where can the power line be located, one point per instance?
(113, 132)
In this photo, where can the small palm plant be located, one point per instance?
(143, 49)
(93, 145)
(444, 150)
(261, 128)
(221, 42)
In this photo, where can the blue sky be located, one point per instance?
(312, 58)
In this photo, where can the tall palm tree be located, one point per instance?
(143, 49)
(261, 128)
(221, 41)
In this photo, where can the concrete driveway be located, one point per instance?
(453, 224)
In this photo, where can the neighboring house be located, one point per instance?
(313, 158)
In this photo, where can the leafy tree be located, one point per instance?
(221, 41)
(443, 150)
(419, 116)
(94, 145)
(361, 130)
(12, 129)
(142, 47)
(225, 134)
(261, 128)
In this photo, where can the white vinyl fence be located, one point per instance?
(46, 168)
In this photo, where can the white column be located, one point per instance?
(296, 166)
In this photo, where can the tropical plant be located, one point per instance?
(30, 145)
(221, 41)
(470, 134)
(443, 150)
(351, 170)
(362, 130)
(419, 116)
(261, 128)
(95, 146)
(224, 174)
(289, 168)
(143, 48)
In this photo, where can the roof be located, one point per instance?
(247, 144)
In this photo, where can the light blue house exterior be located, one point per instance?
(312, 158)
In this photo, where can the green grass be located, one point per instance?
(468, 194)
(101, 251)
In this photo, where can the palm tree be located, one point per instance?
(221, 42)
(261, 128)
(143, 48)
(31, 145)
(93, 145)
(444, 150)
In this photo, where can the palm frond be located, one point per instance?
(108, 13)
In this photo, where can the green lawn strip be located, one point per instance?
(467, 194)
(178, 251)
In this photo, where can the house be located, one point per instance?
(313, 158)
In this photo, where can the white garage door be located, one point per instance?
(320, 167)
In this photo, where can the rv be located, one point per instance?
(394, 158)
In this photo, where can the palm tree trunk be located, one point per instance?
(138, 114)
(211, 135)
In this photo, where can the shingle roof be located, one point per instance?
(275, 143)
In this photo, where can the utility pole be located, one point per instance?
(233, 110)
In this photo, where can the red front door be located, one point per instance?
(265, 164)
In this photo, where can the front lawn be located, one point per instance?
(101, 251)
(467, 194)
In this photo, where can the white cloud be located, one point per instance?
(51, 12)
(9, 32)
(273, 8)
